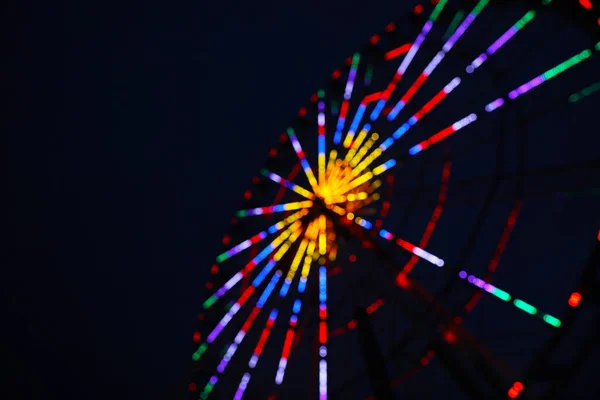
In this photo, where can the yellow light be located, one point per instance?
(356, 145)
(363, 150)
(297, 259)
(350, 216)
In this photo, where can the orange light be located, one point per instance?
(574, 299)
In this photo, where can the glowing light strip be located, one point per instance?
(585, 92)
(300, 153)
(273, 209)
(417, 251)
(502, 295)
(444, 133)
(242, 332)
(398, 51)
(293, 229)
(501, 41)
(290, 185)
(407, 59)
(260, 236)
(499, 102)
(256, 354)
(306, 267)
(293, 268)
(321, 141)
(323, 333)
(363, 150)
(347, 95)
(356, 144)
(437, 59)
(551, 73)
(287, 346)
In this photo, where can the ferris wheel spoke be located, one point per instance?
(414, 48)
(261, 235)
(433, 64)
(232, 348)
(502, 295)
(256, 353)
(288, 184)
(290, 234)
(273, 209)
(522, 89)
(347, 96)
(300, 153)
(417, 251)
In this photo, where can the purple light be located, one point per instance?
(459, 32)
(501, 40)
(462, 274)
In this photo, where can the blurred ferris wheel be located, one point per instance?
(452, 161)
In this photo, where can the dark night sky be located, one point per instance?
(133, 115)
(142, 126)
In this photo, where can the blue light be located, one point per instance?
(297, 305)
(415, 149)
(337, 138)
(357, 117)
(412, 120)
(401, 131)
(377, 110)
(396, 110)
(261, 277)
(387, 143)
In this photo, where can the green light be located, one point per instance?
(562, 67)
(208, 388)
(369, 73)
(454, 23)
(551, 320)
(574, 97)
(501, 294)
(525, 19)
(593, 88)
(355, 60)
(211, 300)
(199, 352)
(546, 2)
(479, 6)
(437, 10)
(528, 308)
(222, 257)
(597, 46)
(204, 396)
(321, 93)
(241, 213)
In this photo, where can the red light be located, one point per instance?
(450, 337)
(370, 310)
(255, 180)
(574, 299)
(598, 231)
(323, 332)
(336, 74)
(209, 285)
(352, 324)
(282, 137)
(302, 112)
(226, 239)
(352, 258)
(273, 152)
(586, 4)
(247, 194)
(418, 9)
(200, 317)
(513, 393)
(424, 361)
(518, 386)
(196, 336)
(349, 61)
(214, 269)
(434, 2)
(374, 39)
(192, 387)
(390, 27)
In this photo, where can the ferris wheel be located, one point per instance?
(445, 174)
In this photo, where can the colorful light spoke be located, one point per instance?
(454, 23)
(551, 73)
(502, 295)
(455, 127)
(300, 153)
(290, 185)
(501, 41)
(323, 333)
(347, 96)
(436, 60)
(273, 209)
(407, 59)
